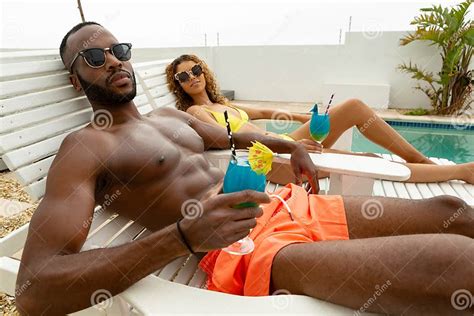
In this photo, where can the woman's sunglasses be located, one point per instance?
(184, 76)
(95, 57)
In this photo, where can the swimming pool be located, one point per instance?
(433, 140)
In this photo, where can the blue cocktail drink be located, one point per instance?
(240, 176)
(319, 125)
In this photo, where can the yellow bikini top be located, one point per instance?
(235, 122)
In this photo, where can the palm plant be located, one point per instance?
(448, 28)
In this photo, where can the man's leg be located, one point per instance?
(378, 216)
(413, 274)
(423, 270)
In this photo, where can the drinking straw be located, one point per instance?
(329, 104)
(229, 134)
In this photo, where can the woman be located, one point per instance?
(198, 94)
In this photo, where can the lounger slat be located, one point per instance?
(3, 166)
(35, 99)
(33, 172)
(389, 189)
(99, 220)
(323, 186)
(445, 161)
(460, 190)
(387, 156)
(36, 189)
(378, 188)
(424, 190)
(470, 189)
(271, 187)
(401, 190)
(436, 160)
(447, 189)
(140, 99)
(29, 135)
(435, 189)
(101, 237)
(140, 89)
(171, 104)
(13, 70)
(124, 234)
(397, 158)
(159, 91)
(145, 109)
(155, 81)
(20, 120)
(186, 273)
(170, 270)
(27, 85)
(166, 99)
(413, 191)
(29, 154)
(17, 55)
(142, 234)
(199, 279)
(152, 72)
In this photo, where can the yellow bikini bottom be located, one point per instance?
(286, 137)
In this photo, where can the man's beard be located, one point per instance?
(98, 94)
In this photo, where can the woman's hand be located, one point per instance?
(311, 145)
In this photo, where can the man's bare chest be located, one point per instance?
(151, 150)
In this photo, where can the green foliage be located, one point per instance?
(417, 112)
(453, 33)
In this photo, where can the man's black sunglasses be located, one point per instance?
(95, 57)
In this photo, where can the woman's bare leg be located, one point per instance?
(438, 173)
(354, 112)
(410, 259)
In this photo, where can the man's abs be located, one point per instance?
(158, 201)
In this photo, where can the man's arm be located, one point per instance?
(61, 280)
(215, 137)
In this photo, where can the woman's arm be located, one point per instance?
(271, 114)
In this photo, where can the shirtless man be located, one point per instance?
(157, 172)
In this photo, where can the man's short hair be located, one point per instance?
(62, 47)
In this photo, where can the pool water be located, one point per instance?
(453, 144)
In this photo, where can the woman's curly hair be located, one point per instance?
(184, 101)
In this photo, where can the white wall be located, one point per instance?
(297, 73)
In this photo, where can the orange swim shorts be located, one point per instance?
(315, 218)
